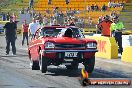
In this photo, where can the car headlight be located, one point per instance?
(91, 45)
(49, 45)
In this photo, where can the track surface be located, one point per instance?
(16, 73)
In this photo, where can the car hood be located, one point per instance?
(68, 40)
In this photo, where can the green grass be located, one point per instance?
(12, 6)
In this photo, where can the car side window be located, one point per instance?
(77, 33)
(49, 33)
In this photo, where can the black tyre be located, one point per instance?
(89, 64)
(43, 63)
(35, 65)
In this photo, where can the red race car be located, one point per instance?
(56, 45)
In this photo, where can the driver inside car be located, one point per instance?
(66, 33)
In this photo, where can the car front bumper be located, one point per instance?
(89, 50)
(62, 53)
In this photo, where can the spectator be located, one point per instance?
(55, 9)
(92, 7)
(88, 8)
(72, 22)
(31, 2)
(122, 4)
(3, 16)
(113, 4)
(118, 4)
(74, 11)
(79, 22)
(82, 22)
(10, 32)
(39, 18)
(68, 22)
(47, 11)
(104, 26)
(67, 12)
(101, 18)
(55, 22)
(75, 19)
(56, 15)
(109, 4)
(49, 2)
(32, 28)
(14, 17)
(8, 16)
(22, 12)
(78, 11)
(45, 20)
(89, 21)
(27, 9)
(24, 32)
(38, 24)
(116, 29)
(33, 13)
(104, 7)
(97, 26)
(61, 18)
(67, 2)
(96, 8)
(113, 14)
(71, 12)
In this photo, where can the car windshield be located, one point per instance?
(77, 33)
(54, 32)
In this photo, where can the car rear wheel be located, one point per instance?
(43, 63)
(89, 64)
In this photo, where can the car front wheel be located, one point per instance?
(89, 64)
(42, 63)
(34, 65)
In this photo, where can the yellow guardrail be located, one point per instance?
(3, 22)
(127, 32)
(85, 30)
(107, 47)
(127, 54)
(93, 30)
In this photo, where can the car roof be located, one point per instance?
(57, 26)
(54, 27)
